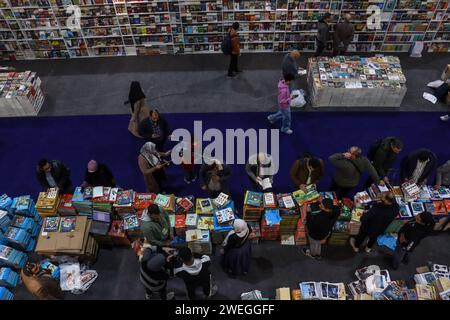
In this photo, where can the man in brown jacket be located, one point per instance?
(343, 35)
(235, 50)
(306, 170)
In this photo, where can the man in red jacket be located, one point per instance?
(235, 50)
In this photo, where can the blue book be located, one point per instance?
(5, 294)
(5, 202)
(272, 216)
(8, 278)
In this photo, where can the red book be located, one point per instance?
(180, 221)
(143, 200)
(186, 204)
(439, 207)
(447, 205)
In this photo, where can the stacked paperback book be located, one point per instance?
(48, 202)
(82, 201)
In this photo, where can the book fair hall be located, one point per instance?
(233, 150)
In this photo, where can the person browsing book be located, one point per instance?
(343, 35)
(215, 177)
(375, 221)
(306, 170)
(237, 248)
(152, 166)
(323, 33)
(155, 226)
(98, 174)
(443, 180)
(259, 171)
(349, 166)
(54, 174)
(194, 270)
(410, 235)
(289, 65)
(154, 129)
(319, 224)
(417, 166)
(383, 154)
(284, 107)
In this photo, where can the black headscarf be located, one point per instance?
(135, 94)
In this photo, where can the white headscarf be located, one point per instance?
(149, 152)
(240, 228)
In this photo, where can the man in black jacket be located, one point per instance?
(98, 174)
(215, 178)
(53, 174)
(319, 224)
(154, 129)
(194, 270)
(418, 166)
(410, 235)
(375, 221)
(383, 155)
(154, 274)
(323, 33)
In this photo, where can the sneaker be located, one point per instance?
(445, 118)
(269, 119)
(170, 295)
(307, 252)
(367, 250)
(288, 131)
(187, 181)
(213, 290)
(352, 243)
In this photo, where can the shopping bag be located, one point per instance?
(297, 99)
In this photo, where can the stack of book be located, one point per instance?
(100, 226)
(5, 202)
(205, 222)
(8, 278)
(256, 231)
(48, 202)
(101, 199)
(322, 291)
(253, 206)
(289, 220)
(339, 235)
(5, 220)
(221, 229)
(202, 244)
(191, 221)
(270, 225)
(118, 234)
(221, 200)
(81, 202)
(204, 206)
(24, 206)
(132, 226)
(165, 202)
(18, 239)
(184, 205)
(123, 204)
(355, 222)
(66, 207)
(12, 258)
(308, 195)
(180, 225)
(356, 81)
(143, 200)
(300, 236)
(5, 294)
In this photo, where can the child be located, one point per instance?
(190, 168)
(284, 100)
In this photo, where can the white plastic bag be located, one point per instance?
(435, 84)
(297, 99)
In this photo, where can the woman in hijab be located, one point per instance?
(139, 111)
(152, 166)
(237, 249)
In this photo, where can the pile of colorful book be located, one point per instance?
(81, 200)
(48, 202)
(270, 225)
(66, 207)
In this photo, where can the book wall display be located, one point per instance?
(39, 30)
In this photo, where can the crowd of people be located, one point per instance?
(161, 259)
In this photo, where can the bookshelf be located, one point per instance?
(37, 29)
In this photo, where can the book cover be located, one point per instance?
(439, 207)
(224, 215)
(221, 199)
(51, 224)
(308, 290)
(269, 200)
(417, 207)
(180, 221)
(185, 203)
(205, 223)
(67, 224)
(206, 205)
(191, 220)
(253, 199)
(404, 211)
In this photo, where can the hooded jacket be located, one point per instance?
(156, 232)
(284, 96)
(196, 273)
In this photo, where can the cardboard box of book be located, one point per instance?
(68, 236)
(252, 213)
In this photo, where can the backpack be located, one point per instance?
(373, 149)
(226, 45)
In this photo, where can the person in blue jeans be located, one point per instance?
(284, 108)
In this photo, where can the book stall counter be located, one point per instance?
(353, 81)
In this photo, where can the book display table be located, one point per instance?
(345, 81)
(20, 94)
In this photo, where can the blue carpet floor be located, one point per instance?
(76, 140)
